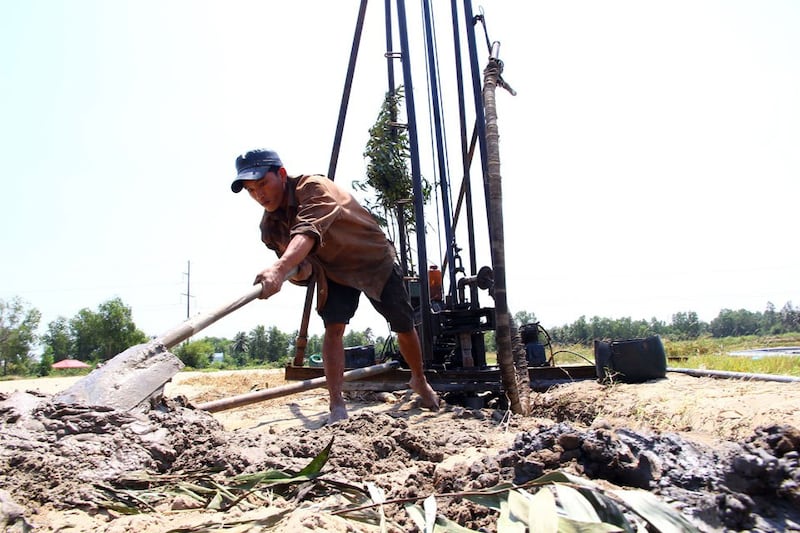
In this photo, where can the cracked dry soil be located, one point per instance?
(723, 452)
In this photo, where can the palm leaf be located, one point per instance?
(574, 504)
(542, 513)
(657, 513)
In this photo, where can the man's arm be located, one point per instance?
(272, 277)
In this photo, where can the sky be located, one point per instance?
(650, 159)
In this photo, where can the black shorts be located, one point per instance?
(394, 305)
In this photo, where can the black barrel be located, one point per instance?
(631, 360)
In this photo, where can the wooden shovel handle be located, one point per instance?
(192, 326)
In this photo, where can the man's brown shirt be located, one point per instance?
(350, 248)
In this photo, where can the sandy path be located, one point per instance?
(54, 385)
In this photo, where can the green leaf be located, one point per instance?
(542, 512)
(519, 505)
(445, 525)
(574, 505)
(439, 525)
(193, 489)
(273, 477)
(417, 516)
(505, 523)
(566, 525)
(315, 466)
(250, 481)
(216, 502)
(657, 513)
(492, 498)
(564, 477)
(348, 490)
(608, 510)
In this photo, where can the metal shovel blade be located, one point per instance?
(127, 380)
(135, 375)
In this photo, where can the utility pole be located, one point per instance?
(188, 293)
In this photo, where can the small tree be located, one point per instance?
(356, 338)
(58, 340)
(314, 344)
(99, 336)
(195, 354)
(257, 344)
(239, 348)
(388, 176)
(524, 317)
(18, 325)
(686, 325)
(277, 345)
(45, 366)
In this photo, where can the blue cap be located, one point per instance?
(253, 165)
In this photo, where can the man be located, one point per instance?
(313, 224)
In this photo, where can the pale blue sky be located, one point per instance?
(650, 159)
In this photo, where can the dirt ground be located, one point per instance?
(723, 452)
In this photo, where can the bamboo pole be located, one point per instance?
(514, 377)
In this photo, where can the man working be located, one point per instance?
(313, 224)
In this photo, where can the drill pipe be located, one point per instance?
(293, 388)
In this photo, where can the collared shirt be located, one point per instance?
(350, 248)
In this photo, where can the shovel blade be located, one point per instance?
(127, 380)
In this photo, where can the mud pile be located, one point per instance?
(63, 457)
(739, 487)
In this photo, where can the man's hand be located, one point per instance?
(272, 277)
(271, 281)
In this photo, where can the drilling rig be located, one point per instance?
(449, 293)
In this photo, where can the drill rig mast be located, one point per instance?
(452, 318)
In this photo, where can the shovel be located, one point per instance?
(140, 372)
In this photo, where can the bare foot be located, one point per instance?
(429, 397)
(338, 413)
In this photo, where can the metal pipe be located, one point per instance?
(389, 52)
(734, 375)
(438, 120)
(293, 388)
(466, 150)
(348, 84)
(426, 337)
(302, 336)
(477, 94)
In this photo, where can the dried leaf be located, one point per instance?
(430, 513)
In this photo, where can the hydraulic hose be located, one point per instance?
(735, 375)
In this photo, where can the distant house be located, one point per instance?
(217, 357)
(70, 363)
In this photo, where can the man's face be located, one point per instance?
(269, 190)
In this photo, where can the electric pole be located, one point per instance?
(188, 293)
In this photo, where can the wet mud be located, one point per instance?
(65, 458)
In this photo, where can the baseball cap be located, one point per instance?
(253, 165)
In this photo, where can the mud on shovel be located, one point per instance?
(140, 372)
